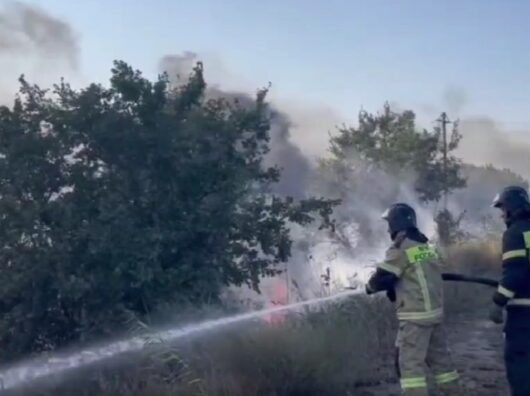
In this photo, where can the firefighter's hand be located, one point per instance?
(496, 314)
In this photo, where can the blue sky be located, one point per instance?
(344, 54)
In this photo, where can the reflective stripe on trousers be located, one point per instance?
(446, 378)
(417, 316)
(422, 347)
(413, 383)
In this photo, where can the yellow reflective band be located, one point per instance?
(526, 236)
(419, 254)
(513, 254)
(435, 314)
(424, 288)
(505, 292)
(414, 382)
(390, 268)
(522, 302)
(446, 377)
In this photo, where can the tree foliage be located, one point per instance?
(391, 140)
(120, 198)
(449, 227)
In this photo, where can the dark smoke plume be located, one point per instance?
(296, 168)
(25, 29)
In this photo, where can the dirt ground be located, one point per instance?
(477, 347)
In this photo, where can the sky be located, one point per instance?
(467, 57)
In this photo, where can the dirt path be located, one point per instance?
(477, 347)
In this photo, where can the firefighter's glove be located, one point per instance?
(391, 295)
(496, 314)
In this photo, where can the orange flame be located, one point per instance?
(280, 296)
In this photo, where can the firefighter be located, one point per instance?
(411, 275)
(513, 293)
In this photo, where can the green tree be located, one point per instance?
(391, 141)
(449, 227)
(123, 198)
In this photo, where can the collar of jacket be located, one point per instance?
(517, 220)
(412, 233)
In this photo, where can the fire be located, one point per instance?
(280, 296)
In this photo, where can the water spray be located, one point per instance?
(26, 372)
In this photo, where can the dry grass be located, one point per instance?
(476, 257)
(327, 351)
(480, 258)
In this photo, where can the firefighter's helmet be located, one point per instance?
(513, 200)
(400, 217)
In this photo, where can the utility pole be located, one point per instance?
(444, 120)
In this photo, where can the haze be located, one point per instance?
(326, 60)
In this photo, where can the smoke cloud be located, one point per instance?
(298, 136)
(26, 29)
(296, 168)
(179, 66)
(36, 44)
(33, 42)
(311, 126)
(300, 133)
(485, 142)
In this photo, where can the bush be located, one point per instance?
(124, 198)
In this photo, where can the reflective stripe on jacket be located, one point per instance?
(514, 287)
(419, 289)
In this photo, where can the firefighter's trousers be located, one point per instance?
(424, 360)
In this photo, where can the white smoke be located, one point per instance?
(486, 142)
(321, 261)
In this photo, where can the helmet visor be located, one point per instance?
(496, 201)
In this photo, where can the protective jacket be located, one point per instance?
(514, 294)
(412, 269)
(514, 287)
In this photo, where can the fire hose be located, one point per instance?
(452, 277)
(470, 279)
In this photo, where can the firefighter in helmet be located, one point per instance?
(411, 276)
(513, 293)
